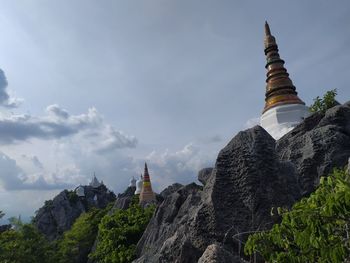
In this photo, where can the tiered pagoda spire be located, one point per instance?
(147, 194)
(279, 87)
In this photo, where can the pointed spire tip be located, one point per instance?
(267, 29)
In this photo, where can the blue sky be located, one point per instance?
(105, 85)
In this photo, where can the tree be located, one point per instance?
(120, 232)
(328, 101)
(316, 229)
(76, 243)
(26, 245)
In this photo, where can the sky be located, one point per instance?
(103, 86)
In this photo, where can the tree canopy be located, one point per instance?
(76, 243)
(316, 229)
(24, 245)
(120, 232)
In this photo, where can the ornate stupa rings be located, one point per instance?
(282, 100)
(269, 41)
(279, 87)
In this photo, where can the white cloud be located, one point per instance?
(13, 177)
(58, 123)
(181, 166)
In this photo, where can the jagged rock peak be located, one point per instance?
(204, 174)
(59, 214)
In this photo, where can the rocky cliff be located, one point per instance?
(253, 174)
(59, 214)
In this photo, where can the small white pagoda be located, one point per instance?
(139, 184)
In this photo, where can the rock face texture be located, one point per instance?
(59, 214)
(123, 200)
(252, 175)
(317, 145)
(204, 174)
(171, 218)
(248, 179)
(217, 254)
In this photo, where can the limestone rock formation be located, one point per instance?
(247, 181)
(170, 189)
(59, 214)
(161, 241)
(253, 174)
(317, 145)
(217, 254)
(123, 200)
(204, 174)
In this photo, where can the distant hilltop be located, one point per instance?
(59, 214)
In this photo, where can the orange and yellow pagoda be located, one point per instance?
(147, 195)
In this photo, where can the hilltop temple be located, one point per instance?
(95, 183)
(147, 195)
(283, 108)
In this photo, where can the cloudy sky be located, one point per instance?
(105, 85)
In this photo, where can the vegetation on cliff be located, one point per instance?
(118, 236)
(24, 245)
(76, 243)
(328, 101)
(120, 232)
(316, 229)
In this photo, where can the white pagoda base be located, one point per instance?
(280, 120)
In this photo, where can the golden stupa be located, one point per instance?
(279, 87)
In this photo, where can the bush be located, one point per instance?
(120, 232)
(76, 243)
(315, 230)
(328, 101)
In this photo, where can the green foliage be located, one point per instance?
(120, 232)
(16, 222)
(48, 204)
(26, 245)
(328, 101)
(315, 230)
(72, 196)
(76, 243)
